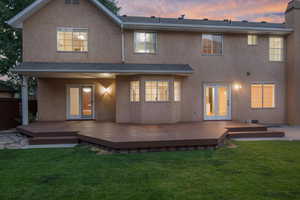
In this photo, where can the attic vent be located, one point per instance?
(71, 1)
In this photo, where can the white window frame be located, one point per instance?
(132, 98)
(281, 49)
(262, 95)
(57, 39)
(157, 101)
(177, 95)
(135, 42)
(222, 48)
(252, 39)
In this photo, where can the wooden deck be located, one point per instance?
(130, 136)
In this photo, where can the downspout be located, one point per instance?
(123, 44)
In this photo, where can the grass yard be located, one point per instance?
(254, 170)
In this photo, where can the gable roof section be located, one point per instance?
(172, 24)
(17, 21)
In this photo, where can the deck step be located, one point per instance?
(255, 134)
(247, 129)
(54, 140)
(43, 133)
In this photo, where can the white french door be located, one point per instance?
(80, 102)
(217, 102)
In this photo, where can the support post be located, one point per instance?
(25, 120)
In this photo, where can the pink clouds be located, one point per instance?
(252, 10)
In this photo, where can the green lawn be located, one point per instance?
(253, 170)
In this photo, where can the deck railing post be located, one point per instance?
(25, 120)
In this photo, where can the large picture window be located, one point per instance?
(72, 39)
(157, 91)
(263, 95)
(144, 42)
(134, 91)
(212, 44)
(276, 48)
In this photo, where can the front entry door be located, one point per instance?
(217, 102)
(80, 102)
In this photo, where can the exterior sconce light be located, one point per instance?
(237, 86)
(106, 91)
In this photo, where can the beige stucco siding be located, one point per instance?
(146, 112)
(39, 34)
(293, 68)
(238, 59)
(52, 98)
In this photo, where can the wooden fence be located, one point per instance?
(10, 112)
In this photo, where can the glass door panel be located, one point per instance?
(217, 105)
(80, 102)
(74, 102)
(223, 101)
(210, 98)
(87, 108)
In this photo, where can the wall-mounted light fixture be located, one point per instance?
(237, 86)
(105, 90)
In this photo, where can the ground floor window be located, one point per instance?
(134, 91)
(263, 95)
(177, 91)
(157, 91)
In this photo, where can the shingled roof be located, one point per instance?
(155, 23)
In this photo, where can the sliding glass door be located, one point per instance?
(217, 102)
(80, 104)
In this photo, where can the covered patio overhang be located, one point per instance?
(99, 70)
(90, 71)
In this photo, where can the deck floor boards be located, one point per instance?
(129, 136)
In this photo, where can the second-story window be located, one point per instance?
(144, 42)
(252, 40)
(72, 39)
(212, 44)
(276, 48)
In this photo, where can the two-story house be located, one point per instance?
(94, 65)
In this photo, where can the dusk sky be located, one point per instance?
(252, 10)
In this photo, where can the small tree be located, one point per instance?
(11, 39)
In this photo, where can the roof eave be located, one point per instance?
(205, 28)
(17, 20)
(103, 71)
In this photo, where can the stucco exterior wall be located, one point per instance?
(293, 68)
(52, 98)
(40, 34)
(145, 112)
(238, 59)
